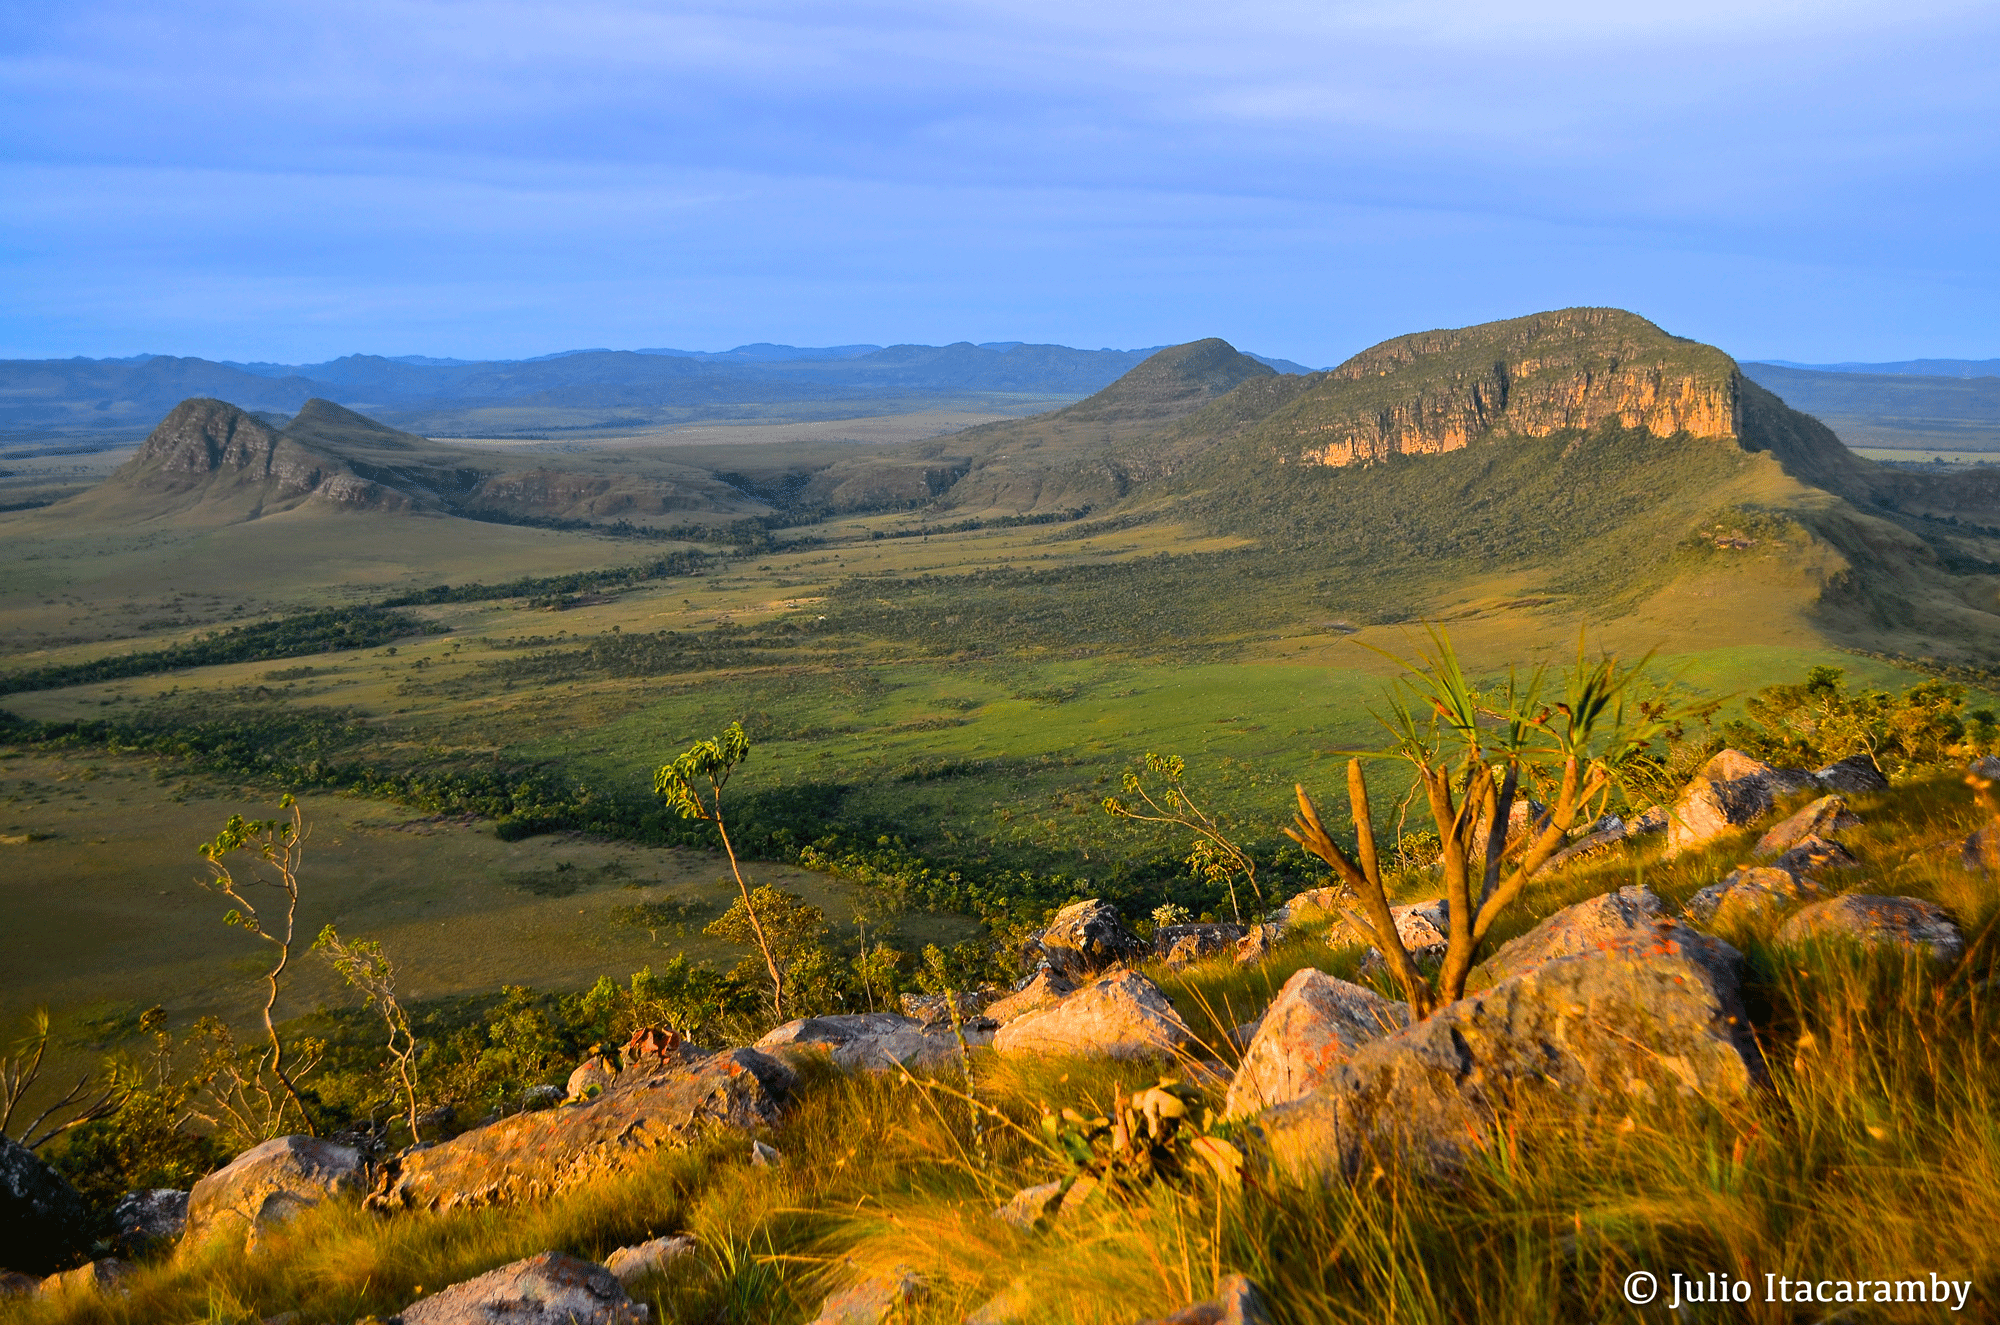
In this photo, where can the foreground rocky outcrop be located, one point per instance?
(1123, 1015)
(1633, 919)
(1084, 939)
(1747, 893)
(548, 1289)
(1314, 1024)
(1606, 1003)
(268, 1184)
(143, 1220)
(1731, 791)
(874, 1041)
(43, 1222)
(653, 1104)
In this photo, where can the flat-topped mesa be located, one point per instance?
(1573, 369)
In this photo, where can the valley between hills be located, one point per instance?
(948, 637)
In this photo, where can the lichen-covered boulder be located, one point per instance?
(546, 1289)
(1314, 1024)
(1749, 892)
(268, 1184)
(653, 1104)
(43, 1221)
(631, 1264)
(1313, 906)
(1631, 919)
(1905, 922)
(872, 1041)
(1043, 988)
(1084, 939)
(1822, 818)
(1579, 1035)
(1256, 945)
(1731, 791)
(1123, 1015)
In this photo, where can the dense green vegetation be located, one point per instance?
(552, 587)
(323, 631)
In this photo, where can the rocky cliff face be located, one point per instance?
(1438, 391)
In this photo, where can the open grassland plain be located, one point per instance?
(1870, 1156)
(935, 718)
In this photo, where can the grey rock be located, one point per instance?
(1123, 1015)
(1236, 1302)
(1030, 1206)
(631, 1264)
(268, 1184)
(547, 1289)
(1314, 1024)
(1905, 922)
(765, 1157)
(934, 1010)
(1811, 857)
(870, 1301)
(1823, 818)
(43, 1221)
(1631, 920)
(15, 1284)
(1731, 791)
(149, 1218)
(1855, 775)
(92, 1279)
(1084, 939)
(1580, 1034)
(542, 1097)
(1044, 988)
(1654, 820)
(656, 1103)
(1981, 853)
(872, 1041)
(1424, 928)
(1749, 892)
(1194, 943)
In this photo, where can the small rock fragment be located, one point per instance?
(870, 1301)
(546, 1289)
(1030, 1206)
(1042, 989)
(1855, 775)
(765, 1157)
(631, 1264)
(1823, 818)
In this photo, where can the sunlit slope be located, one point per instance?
(1092, 453)
(1585, 465)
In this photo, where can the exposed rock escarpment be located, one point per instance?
(1534, 376)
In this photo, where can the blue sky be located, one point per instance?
(300, 180)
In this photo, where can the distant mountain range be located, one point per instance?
(1905, 367)
(580, 389)
(1911, 411)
